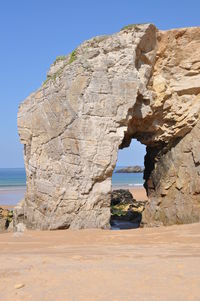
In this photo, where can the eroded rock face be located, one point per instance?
(172, 167)
(139, 83)
(174, 183)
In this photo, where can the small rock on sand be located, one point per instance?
(19, 285)
(20, 227)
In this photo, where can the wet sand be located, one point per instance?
(139, 194)
(9, 207)
(11, 196)
(99, 265)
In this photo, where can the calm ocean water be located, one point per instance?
(12, 177)
(13, 183)
(127, 179)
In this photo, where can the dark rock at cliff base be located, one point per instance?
(122, 197)
(130, 169)
(125, 208)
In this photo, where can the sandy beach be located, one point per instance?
(138, 192)
(100, 265)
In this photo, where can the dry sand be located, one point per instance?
(151, 264)
(139, 193)
(101, 265)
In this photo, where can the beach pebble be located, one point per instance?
(19, 285)
(20, 227)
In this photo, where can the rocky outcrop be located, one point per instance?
(130, 169)
(6, 218)
(122, 197)
(174, 183)
(139, 83)
(19, 216)
(172, 168)
(125, 208)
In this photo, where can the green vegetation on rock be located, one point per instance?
(53, 76)
(73, 56)
(132, 26)
(59, 58)
(118, 210)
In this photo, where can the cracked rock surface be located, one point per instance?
(139, 83)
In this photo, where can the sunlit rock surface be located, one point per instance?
(139, 83)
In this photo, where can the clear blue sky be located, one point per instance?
(34, 32)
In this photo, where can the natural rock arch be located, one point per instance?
(139, 83)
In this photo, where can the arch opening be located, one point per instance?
(128, 197)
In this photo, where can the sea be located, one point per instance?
(13, 183)
(127, 179)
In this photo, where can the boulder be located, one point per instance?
(125, 208)
(6, 218)
(122, 197)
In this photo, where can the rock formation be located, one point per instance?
(139, 83)
(130, 169)
(172, 164)
(125, 208)
(6, 217)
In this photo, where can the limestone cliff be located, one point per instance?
(139, 83)
(173, 167)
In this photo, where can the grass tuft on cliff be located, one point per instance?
(53, 76)
(73, 56)
(59, 58)
(132, 26)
